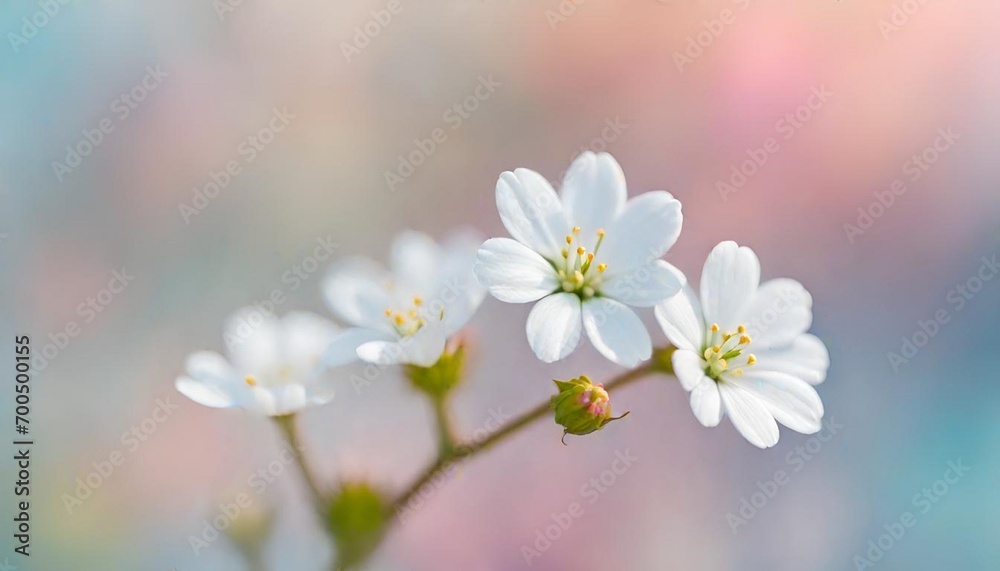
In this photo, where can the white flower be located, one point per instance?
(408, 314)
(587, 254)
(715, 337)
(274, 367)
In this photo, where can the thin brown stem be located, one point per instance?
(460, 451)
(286, 424)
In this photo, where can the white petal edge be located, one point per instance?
(645, 285)
(207, 394)
(514, 273)
(779, 312)
(749, 415)
(593, 191)
(706, 403)
(646, 229)
(531, 211)
(729, 282)
(689, 368)
(554, 326)
(791, 401)
(681, 320)
(806, 358)
(616, 331)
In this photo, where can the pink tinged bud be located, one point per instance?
(581, 407)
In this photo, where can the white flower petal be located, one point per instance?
(689, 368)
(681, 320)
(554, 326)
(253, 339)
(423, 349)
(779, 312)
(706, 403)
(513, 272)
(805, 358)
(749, 415)
(417, 261)
(343, 348)
(728, 283)
(616, 331)
(208, 394)
(593, 192)
(645, 285)
(306, 338)
(646, 228)
(531, 211)
(791, 401)
(356, 290)
(209, 366)
(277, 401)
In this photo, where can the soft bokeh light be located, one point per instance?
(560, 87)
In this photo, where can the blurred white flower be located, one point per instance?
(714, 338)
(587, 254)
(407, 315)
(274, 367)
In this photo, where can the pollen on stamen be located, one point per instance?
(751, 359)
(251, 381)
(400, 319)
(569, 239)
(600, 232)
(581, 251)
(716, 349)
(418, 301)
(602, 267)
(741, 329)
(590, 257)
(388, 312)
(576, 229)
(715, 328)
(745, 340)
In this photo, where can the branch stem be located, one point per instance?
(289, 431)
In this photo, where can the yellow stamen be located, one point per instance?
(600, 232)
(715, 328)
(580, 251)
(590, 257)
(251, 381)
(744, 339)
(388, 312)
(569, 239)
(565, 253)
(576, 229)
(417, 301)
(741, 329)
(751, 359)
(400, 319)
(716, 349)
(738, 372)
(602, 267)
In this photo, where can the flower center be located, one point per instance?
(283, 375)
(727, 352)
(575, 270)
(410, 319)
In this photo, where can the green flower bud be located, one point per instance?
(440, 378)
(581, 406)
(357, 518)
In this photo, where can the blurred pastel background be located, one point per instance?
(565, 74)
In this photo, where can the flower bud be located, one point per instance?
(357, 518)
(581, 407)
(440, 378)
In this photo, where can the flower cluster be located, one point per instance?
(587, 257)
